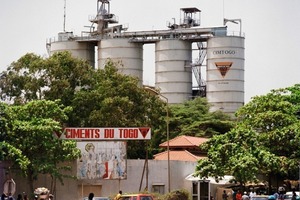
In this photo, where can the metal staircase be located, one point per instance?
(197, 68)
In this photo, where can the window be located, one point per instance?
(158, 188)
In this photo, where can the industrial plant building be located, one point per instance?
(217, 73)
(217, 70)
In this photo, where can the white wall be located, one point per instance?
(157, 173)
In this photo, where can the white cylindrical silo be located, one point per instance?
(173, 73)
(82, 50)
(225, 73)
(130, 55)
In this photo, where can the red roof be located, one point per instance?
(181, 148)
(178, 155)
(184, 141)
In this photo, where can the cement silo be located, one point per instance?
(225, 73)
(66, 42)
(173, 74)
(174, 64)
(129, 55)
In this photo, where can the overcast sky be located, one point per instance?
(271, 27)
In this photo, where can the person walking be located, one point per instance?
(25, 197)
(234, 195)
(224, 195)
(238, 196)
(118, 195)
(245, 196)
(252, 194)
(294, 197)
(91, 196)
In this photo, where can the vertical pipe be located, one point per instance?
(168, 148)
(152, 91)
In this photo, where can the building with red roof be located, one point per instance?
(183, 148)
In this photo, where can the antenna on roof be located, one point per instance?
(65, 16)
(223, 9)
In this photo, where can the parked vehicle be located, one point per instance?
(97, 198)
(136, 197)
(260, 197)
(289, 195)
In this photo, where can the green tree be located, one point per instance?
(99, 97)
(32, 78)
(65, 75)
(23, 80)
(294, 97)
(116, 100)
(264, 141)
(194, 118)
(8, 151)
(31, 129)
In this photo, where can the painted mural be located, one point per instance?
(102, 160)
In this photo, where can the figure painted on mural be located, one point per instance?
(105, 160)
(91, 162)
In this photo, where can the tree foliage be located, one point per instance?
(264, 141)
(30, 134)
(116, 100)
(32, 78)
(8, 151)
(106, 98)
(100, 98)
(194, 118)
(22, 80)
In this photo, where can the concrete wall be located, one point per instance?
(76, 189)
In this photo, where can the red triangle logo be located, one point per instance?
(58, 134)
(144, 131)
(223, 67)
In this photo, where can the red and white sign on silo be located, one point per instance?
(131, 133)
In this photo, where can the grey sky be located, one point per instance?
(272, 27)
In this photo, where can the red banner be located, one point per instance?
(131, 133)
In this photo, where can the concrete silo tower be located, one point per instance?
(118, 49)
(67, 42)
(225, 72)
(173, 56)
(173, 76)
(221, 55)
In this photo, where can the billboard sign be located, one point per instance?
(102, 160)
(123, 133)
